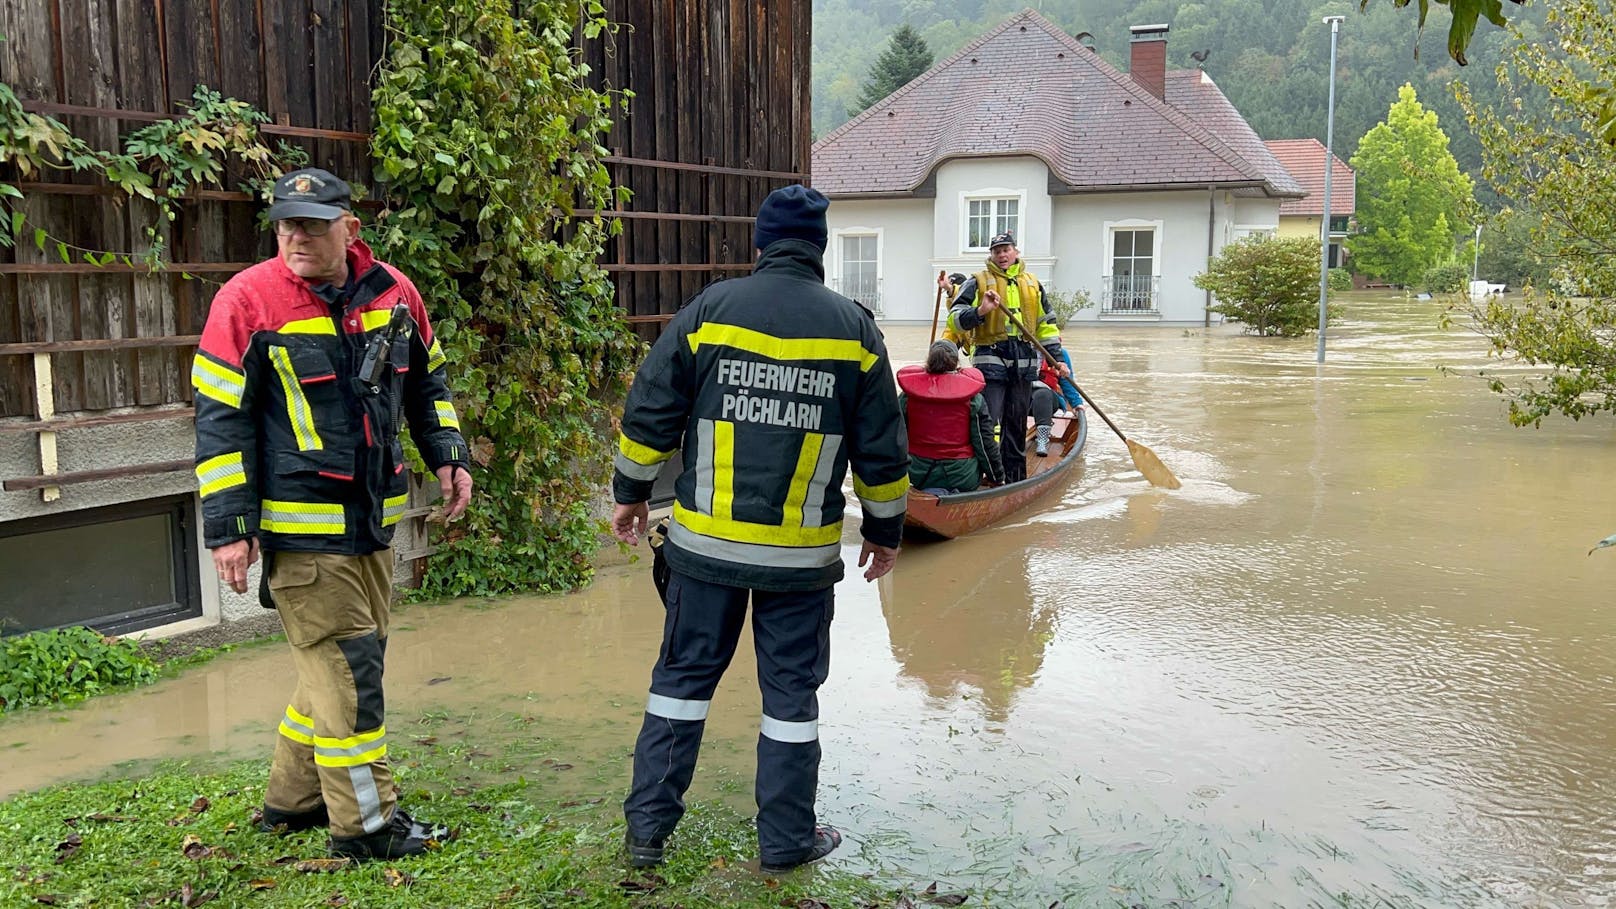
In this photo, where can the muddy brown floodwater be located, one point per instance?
(1361, 658)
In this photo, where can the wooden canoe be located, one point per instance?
(955, 514)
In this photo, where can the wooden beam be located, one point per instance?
(85, 268)
(91, 476)
(684, 266)
(665, 216)
(147, 116)
(112, 419)
(37, 347)
(703, 168)
(651, 320)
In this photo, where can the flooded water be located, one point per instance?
(1361, 658)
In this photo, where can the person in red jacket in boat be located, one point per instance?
(951, 444)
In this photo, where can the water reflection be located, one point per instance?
(962, 620)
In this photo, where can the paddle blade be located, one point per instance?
(1152, 467)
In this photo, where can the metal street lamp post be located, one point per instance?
(1475, 262)
(1329, 169)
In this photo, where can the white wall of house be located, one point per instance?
(1163, 241)
(1069, 241)
(899, 230)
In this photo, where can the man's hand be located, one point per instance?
(990, 301)
(455, 482)
(628, 522)
(880, 558)
(232, 560)
(943, 282)
(1063, 370)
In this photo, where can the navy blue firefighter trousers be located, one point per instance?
(791, 632)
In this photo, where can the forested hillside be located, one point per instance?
(1271, 57)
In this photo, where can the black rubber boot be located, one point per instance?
(826, 839)
(643, 853)
(274, 820)
(403, 836)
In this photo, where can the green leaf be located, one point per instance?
(6, 189)
(17, 221)
(64, 253)
(39, 238)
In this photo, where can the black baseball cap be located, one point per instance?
(1005, 239)
(310, 193)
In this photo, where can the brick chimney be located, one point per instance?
(1147, 58)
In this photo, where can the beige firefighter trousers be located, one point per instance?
(332, 745)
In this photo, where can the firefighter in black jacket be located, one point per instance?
(771, 386)
(307, 366)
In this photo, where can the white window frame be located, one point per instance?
(1108, 238)
(839, 274)
(990, 194)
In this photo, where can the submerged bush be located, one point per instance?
(1446, 278)
(68, 664)
(1272, 286)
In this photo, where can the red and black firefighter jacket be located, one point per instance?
(291, 447)
(951, 444)
(771, 385)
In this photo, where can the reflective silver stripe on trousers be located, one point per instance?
(791, 733)
(676, 709)
(370, 805)
(297, 725)
(753, 553)
(704, 466)
(813, 507)
(635, 470)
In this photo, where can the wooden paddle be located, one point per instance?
(937, 307)
(1143, 458)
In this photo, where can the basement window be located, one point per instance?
(117, 569)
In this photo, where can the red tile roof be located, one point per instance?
(1028, 88)
(1304, 158)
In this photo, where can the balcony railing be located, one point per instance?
(1130, 295)
(864, 290)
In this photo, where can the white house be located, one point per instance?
(1121, 184)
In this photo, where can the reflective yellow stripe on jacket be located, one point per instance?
(636, 461)
(781, 348)
(302, 517)
(298, 410)
(219, 473)
(215, 380)
(887, 500)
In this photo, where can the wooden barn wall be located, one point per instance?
(721, 106)
(106, 68)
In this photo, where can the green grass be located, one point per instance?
(184, 831)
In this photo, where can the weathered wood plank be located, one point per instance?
(190, 35)
(140, 87)
(88, 26)
(47, 304)
(332, 109)
(241, 43)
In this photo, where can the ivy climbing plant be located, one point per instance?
(486, 140)
(160, 163)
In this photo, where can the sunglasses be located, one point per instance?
(313, 227)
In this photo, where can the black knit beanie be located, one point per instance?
(792, 213)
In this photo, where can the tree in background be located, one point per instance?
(1413, 202)
(1272, 286)
(1552, 162)
(906, 56)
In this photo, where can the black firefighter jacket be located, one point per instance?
(771, 385)
(290, 446)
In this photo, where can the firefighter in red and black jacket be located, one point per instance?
(308, 366)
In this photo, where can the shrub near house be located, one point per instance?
(1272, 286)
